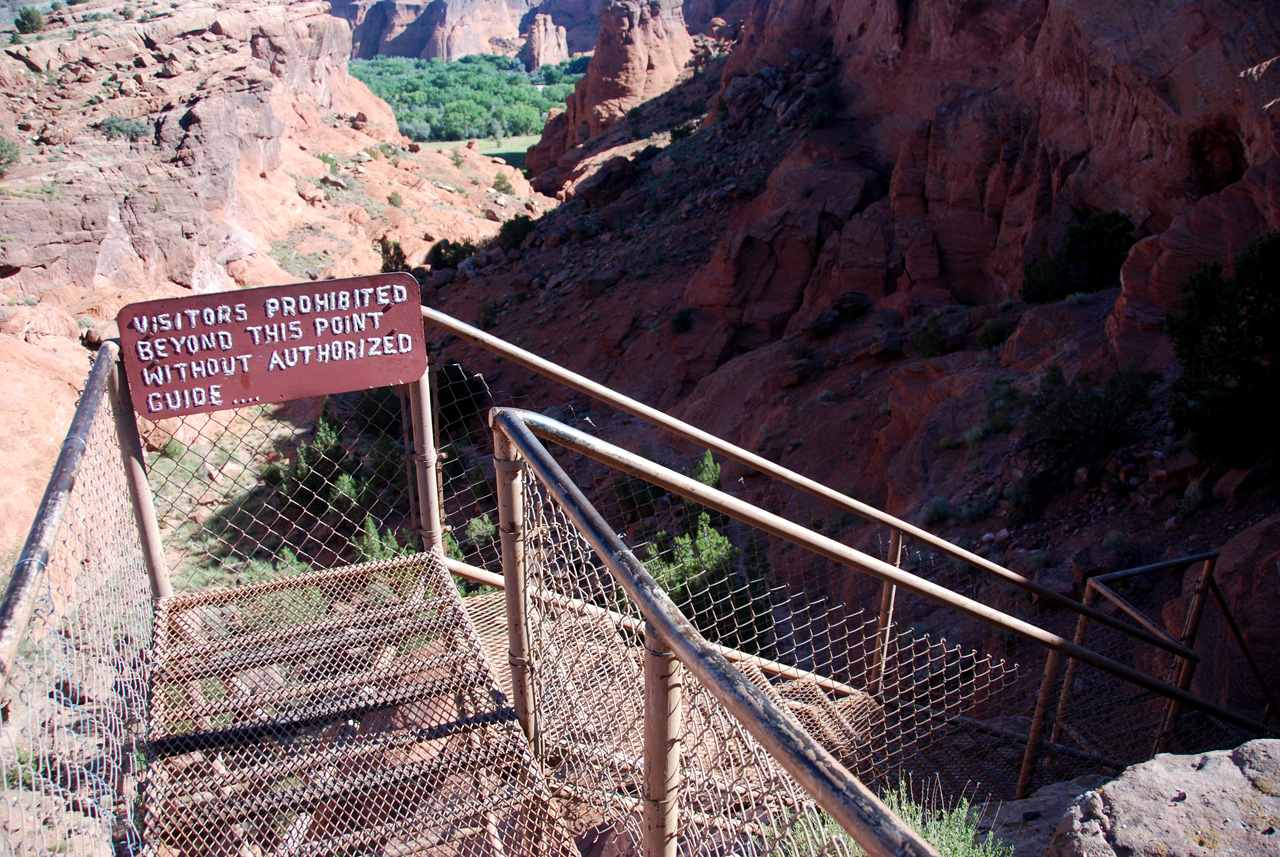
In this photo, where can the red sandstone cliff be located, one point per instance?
(449, 29)
(641, 52)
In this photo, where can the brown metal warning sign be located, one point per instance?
(230, 349)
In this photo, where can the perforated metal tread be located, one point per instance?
(350, 711)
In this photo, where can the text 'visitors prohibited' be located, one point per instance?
(231, 349)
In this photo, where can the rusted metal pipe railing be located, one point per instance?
(510, 472)
(850, 803)
(626, 462)
(626, 404)
(425, 460)
(135, 472)
(884, 624)
(663, 686)
(29, 570)
(1035, 737)
(1244, 646)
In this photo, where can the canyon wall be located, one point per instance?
(1001, 122)
(449, 29)
(641, 52)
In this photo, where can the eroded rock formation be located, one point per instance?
(1001, 123)
(547, 43)
(449, 29)
(641, 52)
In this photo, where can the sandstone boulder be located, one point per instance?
(1226, 802)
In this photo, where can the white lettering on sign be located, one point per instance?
(204, 353)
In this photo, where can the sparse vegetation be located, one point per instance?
(1089, 259)
(681, 132)
(513, 232)
(9, 156)
(723, 590)
(993, 332)
(132, 130)
(393, 258)
(682, 321)
(1072, 423)
(936, 511)
(502, 184)
(1227, 339)
(951, 828)
(450, 254)
(394, 199)
(28, 20)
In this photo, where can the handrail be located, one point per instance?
(626, 404)
(29, 570)
(548, 429)
(842, 795)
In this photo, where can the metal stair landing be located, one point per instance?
(350, 711)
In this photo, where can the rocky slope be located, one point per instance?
(200, 149)
(807, 273)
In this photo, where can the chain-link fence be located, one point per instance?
(251, 494)
(317, 682)
(75, 703)
(759, 593)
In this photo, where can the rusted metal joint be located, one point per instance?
(504, 465)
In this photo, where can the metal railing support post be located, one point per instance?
(1035, 738)
(1187, 669)
(425, 459)
(663, 687)
(884, 627)
(510, 472)
(1065, 695)
(135, 472)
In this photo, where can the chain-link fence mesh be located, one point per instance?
(318, 680)
(813, 657)
(1107, 718)
(342, 711)
(744, 588)
(244, 495)
(76, 697)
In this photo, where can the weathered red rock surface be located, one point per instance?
(640, 53)
(456, 28)
(1002, 121)
(547, 43)
(203, 149)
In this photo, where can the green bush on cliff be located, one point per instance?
(132, 130)
(1068, 424)
(28, 20)
(8, 156)
(1227, 339)
(1089, 259)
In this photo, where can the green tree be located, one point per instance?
(28, 20)
(1227, 340)
(724, 591)
(1089, 259)
(393, 258)
(1073, 423)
